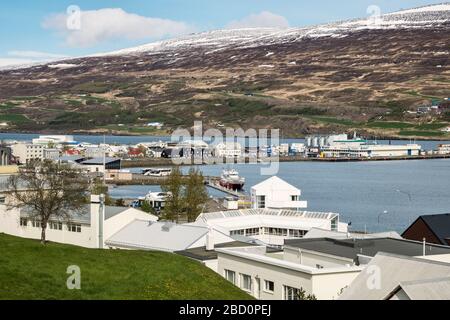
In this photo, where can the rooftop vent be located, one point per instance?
(167, 226)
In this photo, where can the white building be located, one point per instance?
(228, 149)
(268, 226)
(51, 154)
(281, 275)
(324, 267)
(90, 229)
(57, 139)
(275, 193)
(443, 149)
(26, 152)
(402, 278)
(370, 150)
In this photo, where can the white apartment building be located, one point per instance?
(51, 154)
(275, 193)
(324, 267)
(281, 275)
(90, 229)
(26, 152)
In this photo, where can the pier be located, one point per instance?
(214, 184)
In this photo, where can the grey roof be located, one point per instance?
(322, 233)
(351, 248)
(202, 254)
(434, 289)
(71, 158)
(84, 215)
(159, 236)
(99, 161)
(439, 224)
(393, 271)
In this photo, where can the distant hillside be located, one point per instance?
(30, 271)
(333, 77)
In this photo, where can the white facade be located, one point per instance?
(443, 149)
(370, 150)
(79, 231)
(279, 276)
(271, 227)
(51, 154)
(26, 152)
(275, 193)
(58, 139)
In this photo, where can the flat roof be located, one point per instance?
(203, 255)
(351, 248)
(99, 161)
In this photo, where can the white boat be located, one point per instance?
(230, 179)
(157, 172)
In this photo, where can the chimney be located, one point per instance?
(210, 240)
(97, 220)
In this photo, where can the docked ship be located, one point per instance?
(230, 179)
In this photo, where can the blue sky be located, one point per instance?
(36, 29)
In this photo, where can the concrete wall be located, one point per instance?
(312, 259)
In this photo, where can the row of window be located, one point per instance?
(293, 233)
(246, 284)
(71, 227)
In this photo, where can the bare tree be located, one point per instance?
(48, 190)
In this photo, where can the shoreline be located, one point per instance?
(163, 162)
(124, 134)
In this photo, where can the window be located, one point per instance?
(252, 232)
(295, 198)
(296, 233)
(55, 225)
(23, 222)
(291, 293)
(36, 224)
(261, 202)
(237, 233)
(2, 199)
(318, 266)
(74, 227)
(269, 286)
(246, 282)
(230, 276)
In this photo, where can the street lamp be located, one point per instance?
(379, 216)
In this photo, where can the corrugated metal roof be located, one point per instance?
(435, 289)
(161, 236)
(351, 248)
(389, 271)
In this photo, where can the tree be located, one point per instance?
(301, 295)
(146, 207)
(120, 203)
(173, 186)
(48, 190)
(195, 196)
(98, 188)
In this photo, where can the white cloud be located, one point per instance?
(264, 19)
(38, 55)
(13, 62)
(20, 57)
(108, 24)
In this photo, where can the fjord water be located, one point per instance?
(360, 191)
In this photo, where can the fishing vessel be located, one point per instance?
(157, 172)
(230, 179)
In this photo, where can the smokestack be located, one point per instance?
(424, 247)
(97, 220)
(210, 240)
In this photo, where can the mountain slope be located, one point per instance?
(332, 77)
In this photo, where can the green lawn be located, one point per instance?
(15, 118)
(389, 125)
(421, 133)
(29, 270)
(332, 120)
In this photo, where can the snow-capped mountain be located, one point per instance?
(423, 17)
(358, 70)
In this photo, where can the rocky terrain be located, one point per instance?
(360, 74)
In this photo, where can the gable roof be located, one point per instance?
(434, 289)
(159, 236)
(274, 183)
(393, 270)
(439, 224)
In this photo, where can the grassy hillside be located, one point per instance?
(29, 270)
